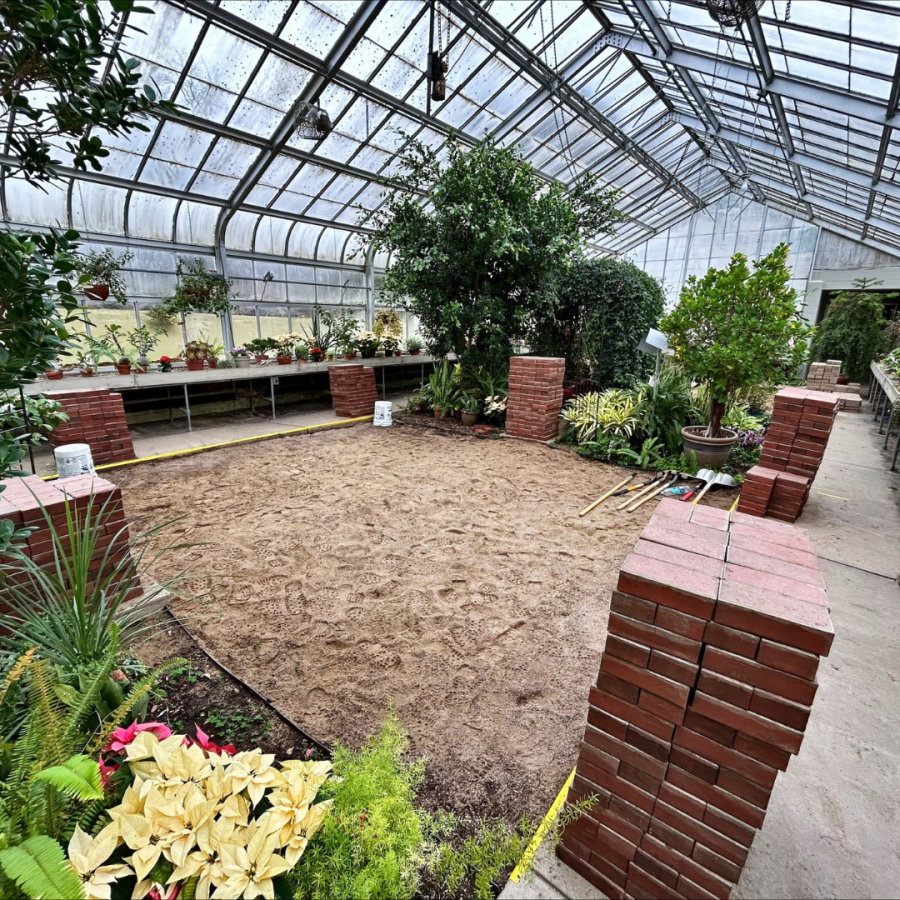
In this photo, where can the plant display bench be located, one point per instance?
(884, 397)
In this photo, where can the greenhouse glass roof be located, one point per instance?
(797, 108)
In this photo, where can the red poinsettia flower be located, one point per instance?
(122, 737)
(203, 740)
(106, 771)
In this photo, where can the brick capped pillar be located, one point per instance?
(96, 418)
(706, 685)
(25, 501)
(535, 397)
(353, 390)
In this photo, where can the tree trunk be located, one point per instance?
(716, 414)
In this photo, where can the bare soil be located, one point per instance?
(448, 575)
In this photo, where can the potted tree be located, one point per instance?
(102, 271)
(734, 329)
(195, 355)
(143, 341)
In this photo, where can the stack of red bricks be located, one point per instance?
(535, 397)
(29, 501)
(705, 687)
(791, 454)
(353, 390)
(96, 418)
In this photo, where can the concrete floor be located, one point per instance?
(833, 825)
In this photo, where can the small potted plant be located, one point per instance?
(470, 406)
(54, 374)
(165, 363)
(732, 330)
(215, 351)
(284, 348)
(316, 353)
(102, 270)
(414, 346)
(301, 351)
(443, 389)
(390, 343)
(259, 347)
(98, 350)
(125, 358)
(143, 341)
(367, 343)
(241, 357)
(195, 355)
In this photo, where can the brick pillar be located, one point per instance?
(535, 397)
(705, 687)
(26, 500)
(791, 454)
(96, 418)
(353, 390)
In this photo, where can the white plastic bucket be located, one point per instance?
(74, 459)
(383, 413)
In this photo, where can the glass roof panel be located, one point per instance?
(196, 223)
(151, 216)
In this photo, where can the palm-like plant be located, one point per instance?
(613, 412)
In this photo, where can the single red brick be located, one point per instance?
(647, 743)
(661, 533)
(671, 712)
(672, 837)
(632, 607)
(733, 783)
(654, 867)
(777, 584)
(797, 572)
(738, 831)
(682, 800)
(598, 758)
(696, 765)
(715, 731)
(679, 623)
(749, 723)
(616, 824)
(787, 659)
(628, 754)
(690, 592)
(806, 626)
(701, 833)
(640, 778)
(755, 530)
(584, 788)
(675, 669)
(649, 681)
(673, 556)
(765, 753)
(716, 796)
(629, 812)
(630, 713)
(723, 688)
(655, 637)
(618, 688)
(670, 508)
(786, 712)
(636, 654)
(605, 722)
(613, 847)
(725, 757)
(716, 863)
(773, 680)
(738, 642)
(710, 517)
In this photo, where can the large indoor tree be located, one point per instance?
(478, 244)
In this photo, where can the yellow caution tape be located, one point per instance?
(735, 504)
(833, 496)
(541, 833)
(246, 440)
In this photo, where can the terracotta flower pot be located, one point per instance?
(350, 355)
(710, 453)
(87, 372)
(213, 363)
(469, 419)
(123, 368)
(98, 292)
(413, 352)
(439, 412)
(54, 374)
(195, 365)
(283, 360)
(398, 353)
(261, 358)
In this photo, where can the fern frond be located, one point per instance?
(140, 690)
(78, 778)
(90, 693)
(21, 665)
(39, 867)
(48, 714)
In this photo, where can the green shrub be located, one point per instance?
(604, 308)
(612, 412)
(854, 330)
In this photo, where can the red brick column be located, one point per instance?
(26, 500)
(96, 418)
(791, 454)
(535, 397)
(353, 390)
(703, 696)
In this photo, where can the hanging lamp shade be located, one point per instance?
(732, 13)
(313, 123)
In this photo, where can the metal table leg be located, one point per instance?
(875, 398)
(887, 431)
(896, 451)
(272, 394)
(187, 407)
(880, 414)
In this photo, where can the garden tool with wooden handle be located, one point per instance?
(670, 478)
(610, 493)
(649, 487)
(712, 479)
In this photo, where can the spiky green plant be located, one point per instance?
(63, 607)
(612, 412)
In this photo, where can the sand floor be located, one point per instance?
(449, 576)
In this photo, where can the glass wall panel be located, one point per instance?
(243, 324)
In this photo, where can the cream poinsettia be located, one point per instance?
(249, 869)
(297, 841)
(87, 856)
(145, 832)
(206, 861)
(315, 774)
(252, 771)
(192, 811)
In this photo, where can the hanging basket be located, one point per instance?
(313, 123)
(732, 13)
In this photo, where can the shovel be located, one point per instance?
(712, 479)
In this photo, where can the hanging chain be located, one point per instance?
(787, 13)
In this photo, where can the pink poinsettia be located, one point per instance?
(203, 740)
(106, 771)
(122, 737)
(172, 895)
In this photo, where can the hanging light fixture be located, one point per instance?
(313, 123)
(732, 13)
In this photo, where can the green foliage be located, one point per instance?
(373, 844)
(40, 869)
(198, 290)
(605, 307)
(33, 425)
(854, 329)
(612, 412)
(648, 455)
(103, 267)
(63, 608)
(414, 344)
(674, 408)
(78, 778)
(444, 386)
(485, 255)
(159, 320)
(733, 329)
(242, 726)
(63, 79)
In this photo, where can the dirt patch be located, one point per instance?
(450, 576)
